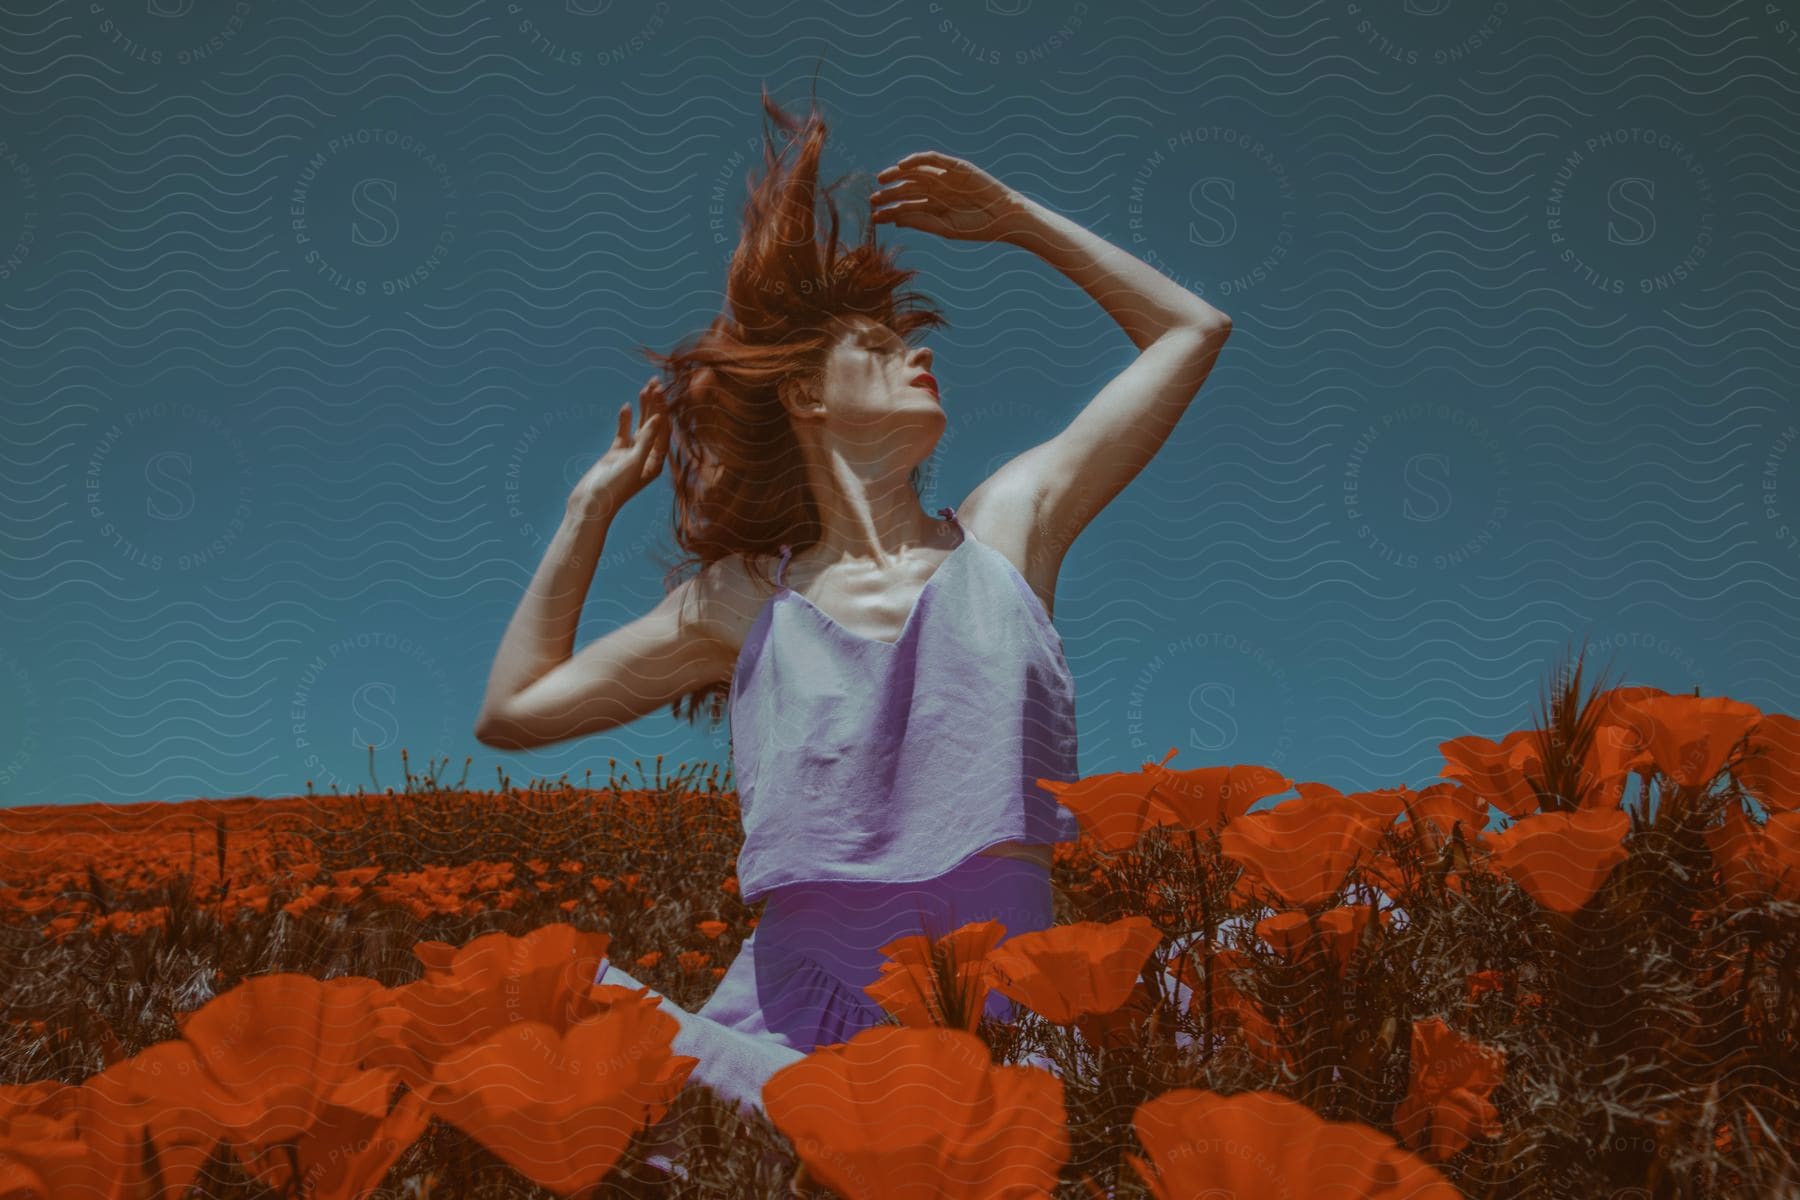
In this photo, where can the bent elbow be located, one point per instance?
(490, 733)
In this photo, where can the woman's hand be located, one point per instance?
(632, 460)
(948, 197)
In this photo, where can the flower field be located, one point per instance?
(390, 993)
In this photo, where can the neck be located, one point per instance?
(878, 524)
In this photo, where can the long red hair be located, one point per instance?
(734, 461)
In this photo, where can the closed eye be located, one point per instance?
(884, 340)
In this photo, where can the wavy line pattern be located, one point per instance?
(314, 314)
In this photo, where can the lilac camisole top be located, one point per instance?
(893, 762)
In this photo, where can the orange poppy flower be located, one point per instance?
(1335, 933)
(1447, 1101)
(1115, 808)
(898, 1113)
(1261, 1144)
(497, 979)
(354, 1140)
(436, 957)
(1691, 736)
(1303, 849)
(61, 928)
(43, 1156)
(1771, 771)
(1209, 796)
(1622, 736)
(1748, 870)
(1561, 859)
(348, 886)
(1482, 982)
(308, 900)
(355, 877)
(44, 1097)
(1615, 707)
(1124, 1025)
(1606, 772)
(254, 896)
(1072, 970)
(276, 1061)
(304, 871)
(1379, 806)
(262, 1057)
(1495, 771)
(1757, 864)
(52, 1145)
(560, 1105)
(1440, 806)
(712, 929)
(910, 986)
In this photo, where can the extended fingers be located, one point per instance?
(652, 409)
(652, 395)
(901, 210)
(930, 158)
(929, 163)
(904, 189)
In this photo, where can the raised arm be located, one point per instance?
(1073, 475)
(538, 689)
(627, 673)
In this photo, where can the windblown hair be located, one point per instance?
(734, 460)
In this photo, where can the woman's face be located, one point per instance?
(873, 384)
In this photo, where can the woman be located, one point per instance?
(896, 686)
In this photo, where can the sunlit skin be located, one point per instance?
(872, 416)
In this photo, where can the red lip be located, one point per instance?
(927, 380)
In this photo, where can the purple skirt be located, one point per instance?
(797, 981)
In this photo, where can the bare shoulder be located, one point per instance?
(1004, 518)
(728, 599)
